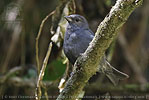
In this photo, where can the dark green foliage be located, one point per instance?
(54, 70)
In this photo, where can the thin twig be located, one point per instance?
(39, 81)
(16, 81)
(37, 40)
(133, 64)
(46, 94)
(10, 73)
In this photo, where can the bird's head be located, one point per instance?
(76, 21)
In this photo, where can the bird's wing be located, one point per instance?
(76, 43)
(85, 37)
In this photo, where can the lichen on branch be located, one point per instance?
(87, 64)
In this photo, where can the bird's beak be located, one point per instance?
(68, 18)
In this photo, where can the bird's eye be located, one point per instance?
(77, 20)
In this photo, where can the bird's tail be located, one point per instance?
(112, 73)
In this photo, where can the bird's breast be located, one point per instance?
(73, 37)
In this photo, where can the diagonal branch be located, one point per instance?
(87, 65)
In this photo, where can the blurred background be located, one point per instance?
(19, 25)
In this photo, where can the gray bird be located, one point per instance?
(76, 40)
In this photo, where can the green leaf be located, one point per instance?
(54, 70)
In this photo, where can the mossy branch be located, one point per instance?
(87, 65)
